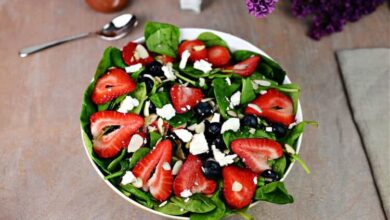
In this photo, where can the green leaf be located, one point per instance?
(301, 162)
(114, 175)
(247, 91)
(222, 92)
(115, 163)
(101, 163)
(137, 156)
(138, 194)
(116, 58)
(141, 95)
(160, 99)
(293, 134)
(216, 214)
(274, 192)
(162, 38)
(136, 74)
(180, 119)
(210, 39)
(192, 72)
(154, 137)
(114, 104)
(279, 167)
(171, 209)
(198, 203)
(230, 136)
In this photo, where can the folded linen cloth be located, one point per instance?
(366, 75)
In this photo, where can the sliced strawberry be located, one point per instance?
(108, 145)
(164, 59)
(196, 48)
(190, 177)
(245, 68)
(185, 98)
(255, 152)
(273, 106)
(134, 53)
(238, 186)
(114, 83)
(159, 159)
(218, 56)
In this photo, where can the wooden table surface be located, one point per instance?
(44, 171)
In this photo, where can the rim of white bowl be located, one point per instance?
(231, 40)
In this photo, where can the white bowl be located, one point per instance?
(235, 43)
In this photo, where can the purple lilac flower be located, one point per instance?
(260, 8)
(329, 16)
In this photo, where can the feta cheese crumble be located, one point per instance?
(235, 99)
(167, 111)
(216, 118)
(176, 168)
(186, 193)
(202, 82)
(255, 107)
(128, 104)
(184, 59)
(230, 124)
(128, 178)
(263, 92)
(221, 158)
(203, 66)
(133, 68)
(138, 183)
(237, 186)
(198, 145)
(255, 180)
(168, 72)
(268, 129)
(183, 134)
(252, 130)
(166, 166)
(135, 143)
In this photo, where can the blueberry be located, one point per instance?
(148, 82)
(205, 156)
(211, 169)
(279, 129)
(270, 176)
(203, 109)
(219, 143)
(212, 129)
(249, 120)
(152, 108)
(154, 68)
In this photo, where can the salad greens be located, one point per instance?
(220, 85)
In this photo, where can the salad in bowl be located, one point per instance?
(192, 123)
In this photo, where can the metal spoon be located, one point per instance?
(115, 29)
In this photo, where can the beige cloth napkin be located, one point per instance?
(366, 77)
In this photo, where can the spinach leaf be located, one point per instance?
(115, 163)
(274, 192)
(114, 104)
(279, 167)
(101, 163)
(140, 94)
(293, 134)
(142, 197)
(192, 72)
(216, 214)
(180, 119)
(292, 90)
(162, 38)
(222, 92)
(211, 39)
(230, 136)
(114, 175)
(136, 74)
(137, 156)
(171, 209)
(267, 66)
(116, 58)
(160, 99)
(154, 137)
(247, 91)
(198, 203)
(301, 162)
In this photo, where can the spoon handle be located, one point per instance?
(36, 48)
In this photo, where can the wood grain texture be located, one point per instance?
(44, 171)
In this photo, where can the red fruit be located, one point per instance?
(245, 68)
(273, 106)
(108, 145)
(160, 183)
(196, 48)
(218, 56)
(238, 186)
(164, 59)
(255, 152)
(114, 83)
(134, 53)
(190, 177)
(184, 98)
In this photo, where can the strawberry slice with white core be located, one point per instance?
(255, 152)
(245, 68)
(114, 83)
(191, 180)
(238, 186)
(134, 53)
(108, 145)
(159, 159)
(273, 106)
(185, 98)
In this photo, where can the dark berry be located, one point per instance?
(249, 120)
(212, 129)
(154, 68)
(219, 143)
(211, 169)
(270, 176)
(148, 82)
(279, 129)
(205, 156)
(152, 108)
(203, 109)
